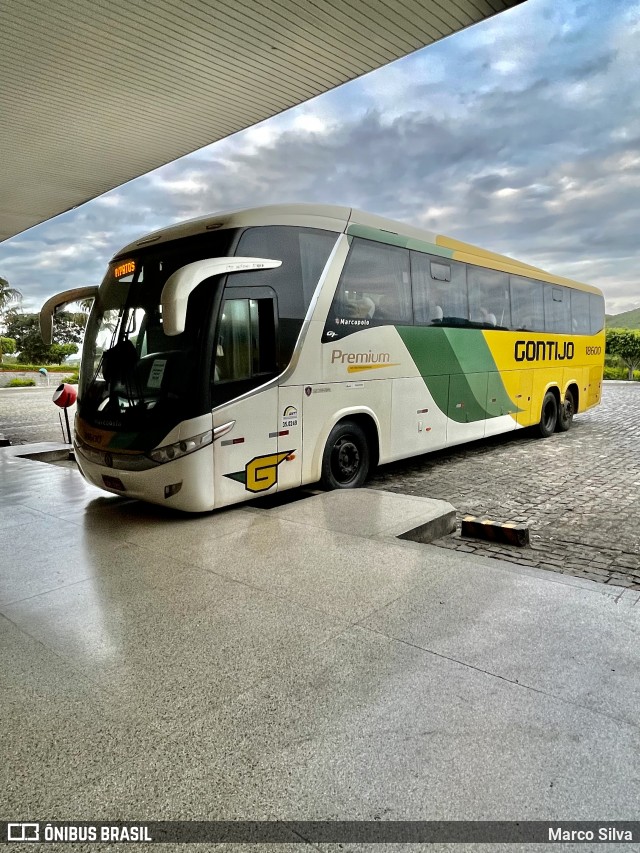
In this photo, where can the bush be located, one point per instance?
(20, 383)
(625, 343)
(71, 380)
(620, 373)
(11, 365)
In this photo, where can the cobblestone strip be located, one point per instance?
(578, 491)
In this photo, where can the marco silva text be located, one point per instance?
(603, 833)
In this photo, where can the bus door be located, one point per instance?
(246, 457)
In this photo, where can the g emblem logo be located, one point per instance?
(262, 472)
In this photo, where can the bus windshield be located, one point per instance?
(135, 377)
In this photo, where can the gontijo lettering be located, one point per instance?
(543, 351)
(125, 268)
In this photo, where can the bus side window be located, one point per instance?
(557, 309)
(375, 284)
(489, 300)
(439, 291)
(303, 253)
(527, 304)
(580, 324)
(596, 313)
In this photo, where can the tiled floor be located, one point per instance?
(297, 663)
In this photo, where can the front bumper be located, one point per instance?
(193, 473)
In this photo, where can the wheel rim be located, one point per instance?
(345, 460)
(548, 415)
(568, 408)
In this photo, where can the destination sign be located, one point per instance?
(125, 268)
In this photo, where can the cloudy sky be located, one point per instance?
(521, 134)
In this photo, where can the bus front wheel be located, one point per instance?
(566, 413)
(345, 461)
(549, 415)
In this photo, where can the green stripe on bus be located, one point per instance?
(392, 239)
(464, 356)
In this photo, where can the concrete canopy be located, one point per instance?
(95, 95)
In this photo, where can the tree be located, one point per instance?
(60, 351)
(625, 343)
(8, 295)
(25, 330)
(7, 346)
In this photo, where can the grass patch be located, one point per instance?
(20, 383)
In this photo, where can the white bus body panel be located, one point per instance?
(256, 423)
(290, 435)
(417, 424)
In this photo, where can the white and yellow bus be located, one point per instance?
(259, 350)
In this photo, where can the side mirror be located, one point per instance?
(181, 283)
(51, 306)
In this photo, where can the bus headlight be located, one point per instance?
(181, 448)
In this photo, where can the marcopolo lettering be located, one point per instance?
(360, 357)
(543, 351)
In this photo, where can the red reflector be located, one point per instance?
(284, 432)
(238, 441)
(113, 483)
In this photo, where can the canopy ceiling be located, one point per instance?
(93, 95)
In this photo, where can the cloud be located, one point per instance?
(519, 134)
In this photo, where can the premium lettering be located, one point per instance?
(543, 351)
(360, 357)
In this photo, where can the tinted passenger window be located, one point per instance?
(489, 303)
(596, 313)
(580, 322)
(527, 304)
(439, 291)
(375, 285)
(303, 252)
(557, 309)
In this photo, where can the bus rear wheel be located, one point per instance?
(345, 461)
(549, 415)
(566, 413)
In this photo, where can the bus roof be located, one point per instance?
(356, 223)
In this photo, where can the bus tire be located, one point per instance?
(549, 415)
(345, 461)
(566, 413)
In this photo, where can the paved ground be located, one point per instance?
(579, 491)
(297, 664)
(28, 414)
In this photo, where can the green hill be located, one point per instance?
(626, 320)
